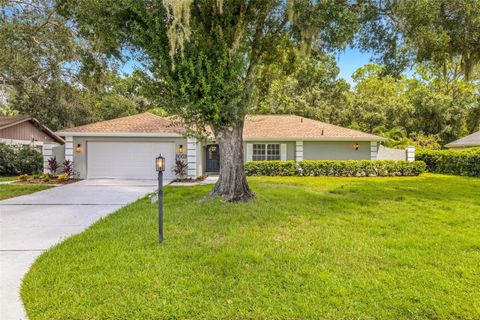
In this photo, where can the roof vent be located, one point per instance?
(301, 120)
(322, 132)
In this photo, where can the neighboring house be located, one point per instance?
(127, 147)
(470, 141)
(25, 130)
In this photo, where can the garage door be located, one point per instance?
(128, 160)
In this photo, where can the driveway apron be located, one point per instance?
(31, 224)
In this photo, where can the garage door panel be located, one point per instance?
(128, 160)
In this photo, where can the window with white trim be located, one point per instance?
(266, 151)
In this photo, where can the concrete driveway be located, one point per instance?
(32, 223)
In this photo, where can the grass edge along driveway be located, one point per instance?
(333, 248)
(14, 190)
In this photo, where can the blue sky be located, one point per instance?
(348, 61)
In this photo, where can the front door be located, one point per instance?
(213, 158)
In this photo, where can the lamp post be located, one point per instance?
(160, 166)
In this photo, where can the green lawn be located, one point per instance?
(306, 248)
(15, 190)
(12, 178)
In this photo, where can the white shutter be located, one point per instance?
(249, 152)
(283, 152)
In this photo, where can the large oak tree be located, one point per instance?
(202, 56)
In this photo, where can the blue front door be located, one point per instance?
(212, 158)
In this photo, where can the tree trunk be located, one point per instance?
(232, 183)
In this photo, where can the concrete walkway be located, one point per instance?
(32, 223)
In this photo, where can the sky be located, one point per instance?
(348, 61)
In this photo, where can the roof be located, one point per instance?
(139, 123)
(258, 127)
(472, 140)
(293, 127)
(10, 121)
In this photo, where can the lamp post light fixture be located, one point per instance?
(160, 166)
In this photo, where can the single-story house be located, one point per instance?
(25, 130)
(127, 147)
(470, 141)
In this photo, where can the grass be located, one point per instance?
(5, 179)
(15, 190)
(306, 248)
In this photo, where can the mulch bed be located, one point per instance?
(40, 181)
(190, 180)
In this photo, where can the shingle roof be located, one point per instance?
(139, 123)
(472, 140)
(293, 127)
(288, 127)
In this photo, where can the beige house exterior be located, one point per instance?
(126, 147)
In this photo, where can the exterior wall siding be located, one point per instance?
(80, 159)
(336, 150)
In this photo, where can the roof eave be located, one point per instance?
(11, 124)
(377, 139)
(120, 134)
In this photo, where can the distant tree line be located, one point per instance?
(48, 71)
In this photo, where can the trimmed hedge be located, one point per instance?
(465, 162)
(271, 168)
(361, 168)
(336, 168)
(16, 160)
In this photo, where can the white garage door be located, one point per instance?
(128, 160)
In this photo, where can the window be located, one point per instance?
(258, 152)
(265, 152)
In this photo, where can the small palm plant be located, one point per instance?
(53, 165)
(180, 168)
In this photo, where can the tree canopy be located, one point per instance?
(212, 62)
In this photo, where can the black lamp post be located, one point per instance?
(160, 166)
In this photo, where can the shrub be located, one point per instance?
(46, 177)
(180, 168)
(29, 160)
(465, 162)
(53, 165)
(63, 177)
(360, 168)
(7, 160)
(19, 159)
(68, 167)
(271, 168)
(23, 177)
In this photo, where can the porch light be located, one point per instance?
(78, 149)
(356, 146)
(180, 148)
(160, 163)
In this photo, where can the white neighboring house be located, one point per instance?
(127, 147)
(470, 141)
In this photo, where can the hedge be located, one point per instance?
(271, 168)
(360, 168)
(337, 168)
(465, 162)
(16, 160)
